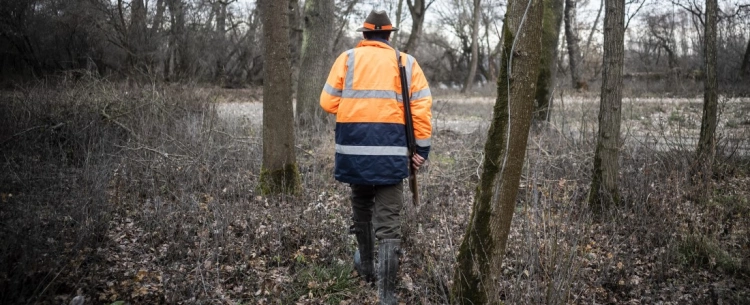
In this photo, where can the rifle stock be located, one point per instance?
(411, 142)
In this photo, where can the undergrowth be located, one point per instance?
(146, 195)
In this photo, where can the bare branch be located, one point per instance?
(635, 13)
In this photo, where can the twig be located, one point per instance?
(54, 127)
(109, 118)
(161, 153)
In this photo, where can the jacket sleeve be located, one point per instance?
(421, 104)
(331, 95)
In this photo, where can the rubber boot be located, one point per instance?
(364, 257)
(388, 254)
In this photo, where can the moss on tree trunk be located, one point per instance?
(545, 83)
(483, 247)
(285, 180)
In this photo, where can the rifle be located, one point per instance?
(411, 143)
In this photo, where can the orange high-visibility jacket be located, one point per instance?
(363, 90)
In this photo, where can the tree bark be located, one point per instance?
(572, 40)
(279, 173)
(481, 253)
(474, 47)
(707, 142)
(604, 191)
(553, 11)
(317, 46)
(745, 68)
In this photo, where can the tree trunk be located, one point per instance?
(481, 253)
(474, 47)
(279, 173)
(574, 51)
(177, 59)
(417, 10)
(220, 43)
(707, 142)
(745, 69)
(158, 18)
(344, 22)
(316, 57)
(396, 37)
(604, 190)
(591, 33)
(490, 57)
(137, 34)
(553, 11)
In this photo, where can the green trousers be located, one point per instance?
(380, 204)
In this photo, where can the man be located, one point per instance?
(363, 90)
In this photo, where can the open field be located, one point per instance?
(149, 195)
(661, 124)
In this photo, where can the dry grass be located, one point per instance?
(148, 195)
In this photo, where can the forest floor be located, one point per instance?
(146, 196)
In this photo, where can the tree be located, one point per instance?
(317, 45)
(745, 68)
(279, 173)
(604, 190)
(481, 252)
(707, 141)
(177, 55)
(417, 9)
(136, 41)
(474, 46)
(572, 40)
(553, 11)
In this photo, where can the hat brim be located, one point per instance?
(364, 29)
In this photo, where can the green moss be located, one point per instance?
(550, 35)
(468, 278)
(281, 181)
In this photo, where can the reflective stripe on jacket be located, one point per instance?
(363, 90)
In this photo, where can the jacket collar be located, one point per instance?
(380, 43)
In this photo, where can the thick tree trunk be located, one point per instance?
(572, 40)
(417, 10)
(604, 191)
(474, 47)
(483, 248)
(279, 172)
(553, 11)
(707, 142)
(316, 57)
(745, 68)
